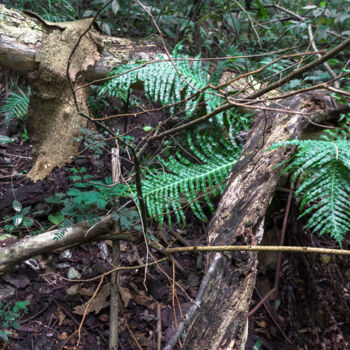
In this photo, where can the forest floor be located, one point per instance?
(309, 311)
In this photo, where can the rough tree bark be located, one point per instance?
(239, 219)
(221, 321)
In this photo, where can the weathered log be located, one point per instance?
(30, 44)
(29, 247)
(221, 320)
(22, 36)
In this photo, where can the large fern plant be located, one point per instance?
(170, 82)
(324, 187)
(183, 182)
(324, 184)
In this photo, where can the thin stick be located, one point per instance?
(325, 64)
(196, 305)
(283, 234)
(159, 327)
(114, 303)
(300, 71)
(258, 248)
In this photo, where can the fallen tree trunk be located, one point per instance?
(46, 242)
(22, 36)
(221, 320)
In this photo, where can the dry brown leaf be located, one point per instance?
(145, 300)
(261, 324)
(125, 295)
(61, 317)
(62, 336)
(97, 304)
(103, 318)
(73, 289)
(86, 291)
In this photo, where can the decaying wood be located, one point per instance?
(53, 120)
(29, 44)
(22, 36)
(221, 320)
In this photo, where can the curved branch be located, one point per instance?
(29, 247)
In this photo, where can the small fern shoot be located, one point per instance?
(162, 190)
(325, 185)
(15, 106)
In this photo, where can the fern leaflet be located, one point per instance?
(15, 106)
(325, 186)
(162, 190)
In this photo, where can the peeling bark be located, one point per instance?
(22, 35)
(29, 44)
(53, 120)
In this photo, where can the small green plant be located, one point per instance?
(87, 199)
(20, 220)
(128, 218)
(15, 107)
(93, 140)
(9, 317)
(5, 139)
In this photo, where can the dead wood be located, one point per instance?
(29, 44)
(46, 242)
(221, 320)
(22, 36)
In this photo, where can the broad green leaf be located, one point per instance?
(17, 206)
(26, 210)
(17, 219)
(115, 6)
(56, 218)
(5, 139)
(27, 222)
(262, 9)
(147, 128)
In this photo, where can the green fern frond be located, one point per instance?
(325, 184)
(15, 106)
(183, 181)
(168, 192)
(167, 82)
